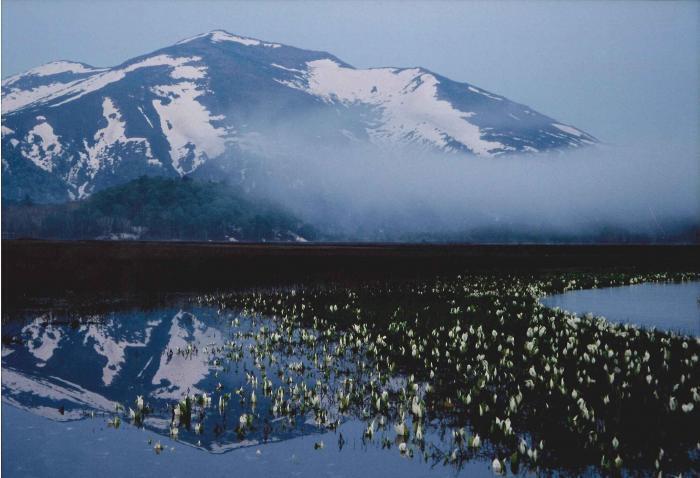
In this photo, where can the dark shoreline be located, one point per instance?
(36, 268)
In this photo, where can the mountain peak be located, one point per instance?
(218, 36)
(57, 67)
(206, 103)
(53, 69)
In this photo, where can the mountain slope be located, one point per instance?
(158, 209)
(69, 129)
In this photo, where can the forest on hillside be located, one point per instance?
(155, 208)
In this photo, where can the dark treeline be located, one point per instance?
(153, 208)
(156, 208)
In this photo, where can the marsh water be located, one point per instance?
(672, 307)
(62, 384)
(71, 382)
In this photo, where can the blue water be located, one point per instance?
(61, 383)
(62, 379)
(672, 307)
(37, 447)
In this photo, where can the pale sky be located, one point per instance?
(624, 71)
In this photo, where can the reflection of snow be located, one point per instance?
(150, 359)
(157, 423)
(107, 345)
(42, 341)
(181, 374)
(54, 389)
(224, 447)
(108, 338)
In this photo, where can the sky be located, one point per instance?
(626, 72)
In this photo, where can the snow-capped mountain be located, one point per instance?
(203, 104)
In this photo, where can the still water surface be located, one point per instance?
(673, 307)
(64, 376)
(62, 383)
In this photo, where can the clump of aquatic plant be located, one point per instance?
(114, 422)
(472, 366)
(445, 371)
(138, 414)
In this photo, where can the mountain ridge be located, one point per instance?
(204, 104)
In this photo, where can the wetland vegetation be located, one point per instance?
(449, 371)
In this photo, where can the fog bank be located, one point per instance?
(373, 193)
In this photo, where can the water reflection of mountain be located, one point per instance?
(68, 370)
(450, 372)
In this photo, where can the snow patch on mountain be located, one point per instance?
(79, 88)
(221, 36)
(189, 72)
(482, 92)
(187, 126)
(294, 70)
(104, 150)
(26, 88)
(192, 38)
(567, 129)
(53, 68)
(100, 81)
(41, 146)
(17, 99)
(407, 100)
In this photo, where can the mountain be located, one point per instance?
(209, 103)
(154, 208)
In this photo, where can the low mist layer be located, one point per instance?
(600, 193)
